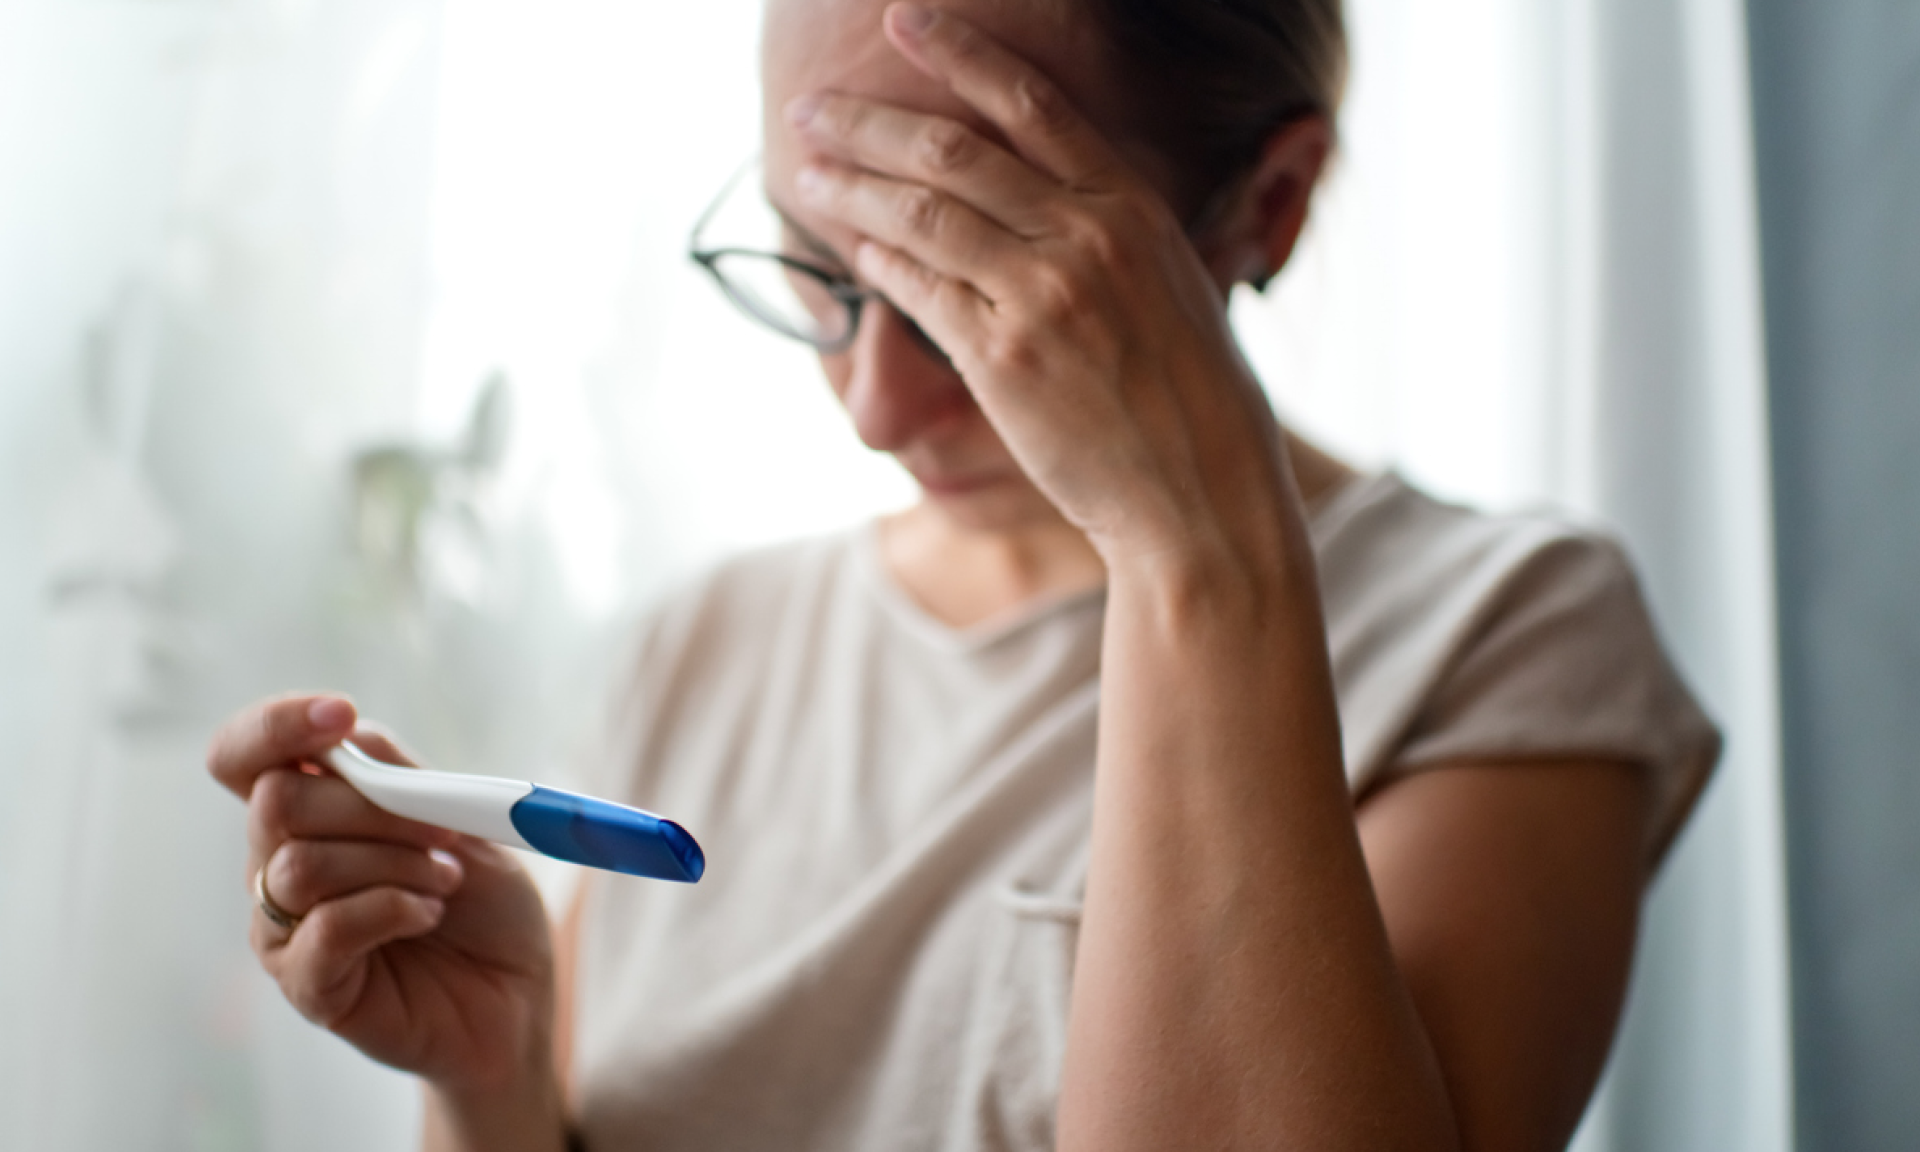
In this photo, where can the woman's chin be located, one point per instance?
(991, 506)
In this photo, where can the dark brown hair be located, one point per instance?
(1209, 80)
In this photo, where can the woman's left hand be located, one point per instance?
(1071, 302)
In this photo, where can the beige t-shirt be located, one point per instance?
(896, 813)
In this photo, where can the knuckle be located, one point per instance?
(276, 801)
(927, 284)
(1039, 105)
(1057, 296)
(1105, 250)
(964, 43)
(1014, 352)
(947, 147)
(836, 117)
(295, 874)
(283, 724)
(947, 297)
(300, 984)
(1098, 241)
(326, 931)
(922, 211)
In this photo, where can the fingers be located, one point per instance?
(379, 743)
(275, 733)
(303, 874)
(930, 150)
(322, 967)
(289, 805)
(357, 877)
(950, 311)
(1036, 116)
(942, 233)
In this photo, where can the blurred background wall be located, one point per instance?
(1837, 103)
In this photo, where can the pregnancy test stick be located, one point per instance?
(564, 825)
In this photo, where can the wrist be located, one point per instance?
(1204, 580)
(525, 1114)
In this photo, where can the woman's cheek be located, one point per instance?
(838, 369)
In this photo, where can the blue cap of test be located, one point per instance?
(600, 834)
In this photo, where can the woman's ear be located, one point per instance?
(1259, 231)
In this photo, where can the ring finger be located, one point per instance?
(301, 874)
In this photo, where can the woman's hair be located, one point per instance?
(1211, 79)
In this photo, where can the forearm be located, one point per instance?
(1234, 985)
(528, 1116)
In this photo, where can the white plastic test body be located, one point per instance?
(564, 825)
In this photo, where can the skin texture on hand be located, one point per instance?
(1066, 293)
(427, 950)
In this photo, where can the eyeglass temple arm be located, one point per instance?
(694, 247)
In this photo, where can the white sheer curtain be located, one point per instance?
(1535, 278)
(260, 258)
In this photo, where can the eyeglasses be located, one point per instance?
(816, 305)
(797, 299)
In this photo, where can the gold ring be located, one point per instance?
(268, 908)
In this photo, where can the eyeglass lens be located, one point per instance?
(788, 298)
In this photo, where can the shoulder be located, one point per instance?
(1392, 554)
(1460, 635)
(1413, 585)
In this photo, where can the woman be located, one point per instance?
(1156, 782)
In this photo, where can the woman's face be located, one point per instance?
(903, 397)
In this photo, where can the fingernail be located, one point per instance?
(446, 869)
(329, 714)
(912, 19)
(801, 109)
(433, 906)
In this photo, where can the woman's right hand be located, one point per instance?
(426, 949)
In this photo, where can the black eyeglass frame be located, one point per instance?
(850, 297)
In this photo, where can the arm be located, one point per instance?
(524, 1118)
(1449, 976)
(1445, 973)
(1235, 984)
(1511, 894)
(1258, 967)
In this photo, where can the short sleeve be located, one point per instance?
(1562, 660)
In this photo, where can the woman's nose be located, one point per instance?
(900, 387)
